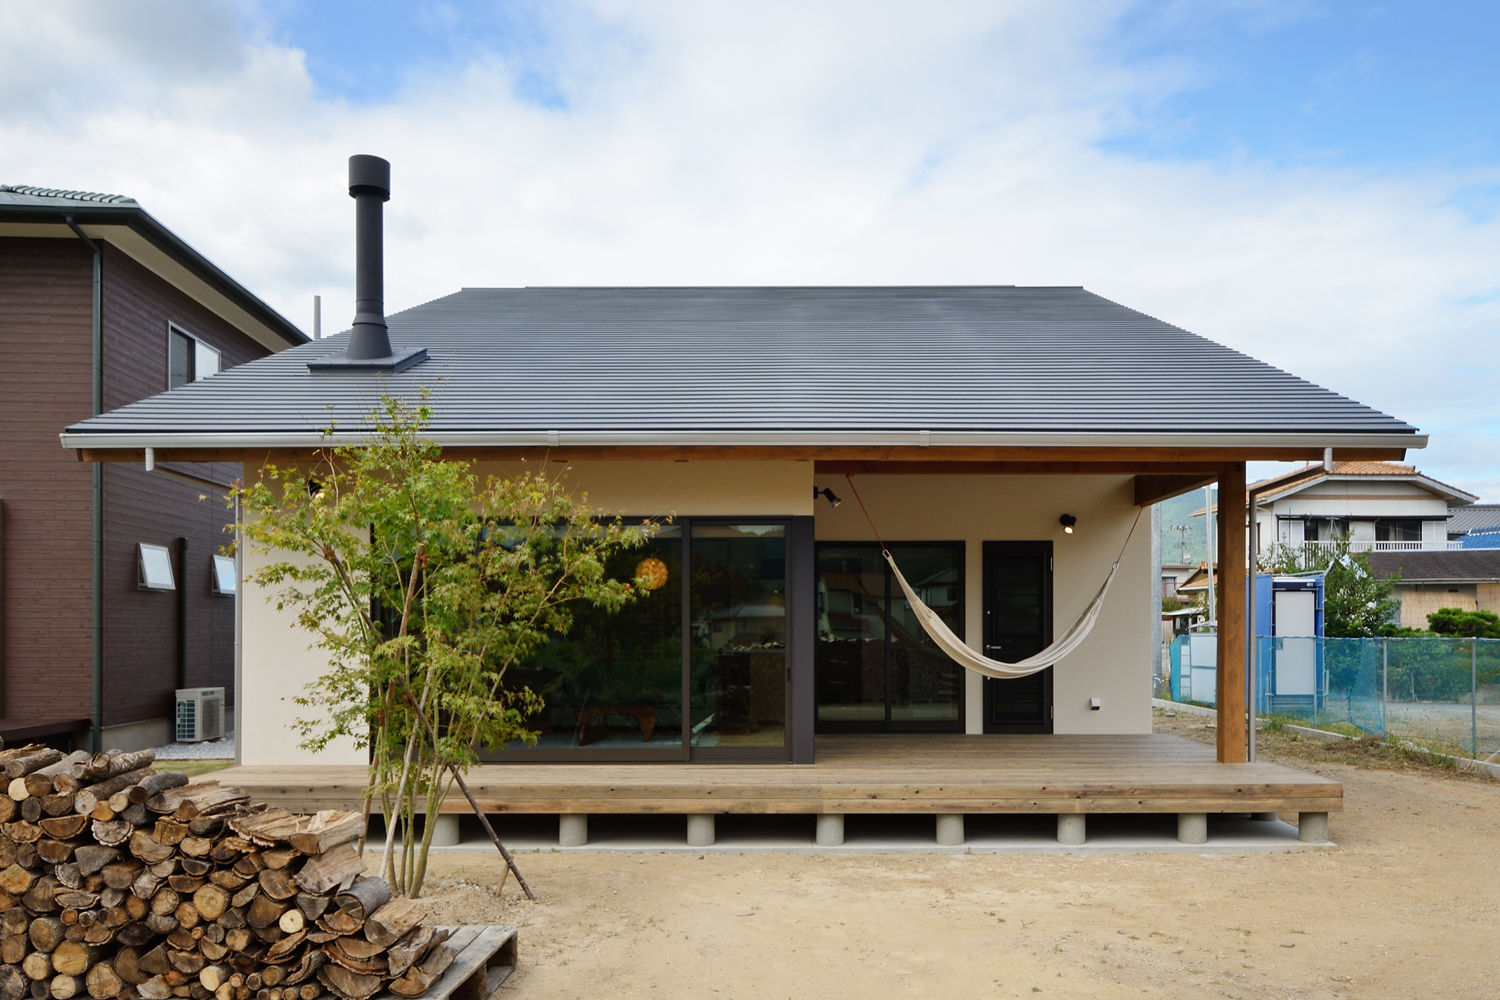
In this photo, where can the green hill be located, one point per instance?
(1184, 538)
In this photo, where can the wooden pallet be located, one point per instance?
(486, 957)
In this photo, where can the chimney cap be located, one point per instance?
(369, 345)
(369, 175)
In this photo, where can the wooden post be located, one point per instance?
(1234, 734)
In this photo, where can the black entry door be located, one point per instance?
(1017, 624)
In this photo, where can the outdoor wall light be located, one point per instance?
(1068, 521)
(315, 489)
(826, 492)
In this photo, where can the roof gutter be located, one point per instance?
(210, 440)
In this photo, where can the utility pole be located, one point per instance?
(1208, 506)
(1182, 533)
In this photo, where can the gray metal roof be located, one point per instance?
(774, 365)
(1462, 520)
(22, 194)
(1452, 566)
(20, 203)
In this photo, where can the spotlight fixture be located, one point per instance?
(826, 492)
(315, 489)
(1068, 521)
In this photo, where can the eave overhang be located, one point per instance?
(806, 444)
(159, 250)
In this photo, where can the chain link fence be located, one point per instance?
(1433, 688)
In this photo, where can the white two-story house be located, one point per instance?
(1374, 506)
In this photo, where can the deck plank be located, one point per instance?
(926, 773)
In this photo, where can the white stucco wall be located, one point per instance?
(1114, 665)
(273, 665)
(703, 489)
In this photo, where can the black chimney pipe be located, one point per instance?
(369, 346)
(370, 187)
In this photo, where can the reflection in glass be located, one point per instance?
(876, 667)
(615, 680)
(851, 634)
(738, 647)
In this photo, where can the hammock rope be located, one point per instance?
(960, 652)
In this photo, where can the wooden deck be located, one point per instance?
(946, 775)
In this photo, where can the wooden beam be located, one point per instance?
(1154, 488)
(1234, 728)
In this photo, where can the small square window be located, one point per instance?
(188, 358)
(223, 576)
(155, 564)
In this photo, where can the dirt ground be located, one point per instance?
(1407, 906)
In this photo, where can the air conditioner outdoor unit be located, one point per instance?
(200, 714)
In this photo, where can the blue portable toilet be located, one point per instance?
(1289, 620)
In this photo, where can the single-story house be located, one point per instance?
(1467, 579)
(1004, 441)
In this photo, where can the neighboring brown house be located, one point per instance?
(1466, 579)
(100, 306)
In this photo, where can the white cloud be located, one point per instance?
(779, 143)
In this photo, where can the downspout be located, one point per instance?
(97, 404)
(182, 610)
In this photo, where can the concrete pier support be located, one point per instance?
(1072, 828)
(1312, 828)
(572, 830)
(700, 830)
(445, 831)
(950, 829)
(1192, 828)
(830, 832)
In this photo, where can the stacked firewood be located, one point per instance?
(117, 880)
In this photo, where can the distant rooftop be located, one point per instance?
(1433, 566)
(1298, 479)
(25, 194)
(1476, 517)
(115, 219)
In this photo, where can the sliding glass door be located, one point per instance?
(738, 690)
(697, 668)
(876, 670)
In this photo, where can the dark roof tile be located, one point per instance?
(984, 359)
(1450, 565)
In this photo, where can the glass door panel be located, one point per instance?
(850, 659)
(614, 681)
(876, 669)
(925, 685)
(737, 684)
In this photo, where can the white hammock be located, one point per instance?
(965, 657)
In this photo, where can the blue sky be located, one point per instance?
(1387, 85)
(1314, 183)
